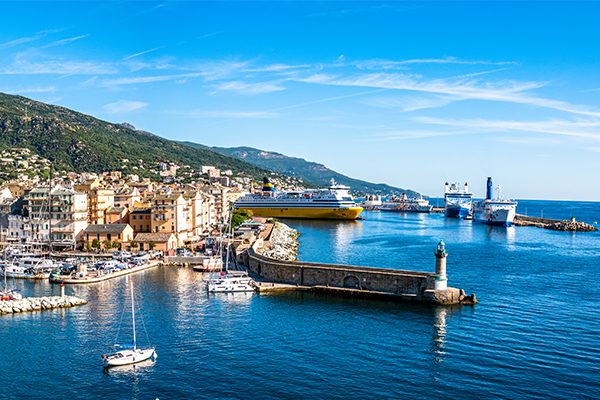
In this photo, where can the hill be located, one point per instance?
(305, 170)
(77, 142)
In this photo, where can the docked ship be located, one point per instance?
(494, 211)
(371, 202)
(458, 201)
(404, 204)
(335, 202)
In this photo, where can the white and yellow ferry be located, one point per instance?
(336, 202)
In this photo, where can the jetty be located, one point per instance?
(570, 225)
(81, 277)
(29, 304)
(279, 275)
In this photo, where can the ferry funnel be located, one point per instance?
(490, 190)
(466, 187)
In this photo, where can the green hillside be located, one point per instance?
(306, 170)
(77, 142)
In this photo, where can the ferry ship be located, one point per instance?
(371, 202)
(494, 211)
(458, 202)
(404, 204)
(336, 202)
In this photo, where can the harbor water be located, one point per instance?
(534, 334)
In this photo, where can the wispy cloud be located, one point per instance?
(24, 40)
(24, 65)
(123, 106)
(31, 90)
(228, 114)
(589, 129)
(64, 41)
(141, 53)
(248, 88)
(382, 64)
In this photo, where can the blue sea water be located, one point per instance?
(533, 335)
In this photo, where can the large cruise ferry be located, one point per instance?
(336, 202)
(404, 204)
(494, 211)
(458, 201)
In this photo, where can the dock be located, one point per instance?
(101, 278)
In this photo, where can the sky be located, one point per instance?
(412, 94)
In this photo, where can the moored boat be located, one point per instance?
(336, 202)
(494, 211)
(404, 204)
(457, 202)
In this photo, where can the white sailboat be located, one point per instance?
(134, 354)
(230, 281)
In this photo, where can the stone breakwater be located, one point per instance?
(553, 224)
(282, 244)
(39, 303)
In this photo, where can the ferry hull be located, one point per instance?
(457, 212)
(350, 213)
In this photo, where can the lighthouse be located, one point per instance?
(441, 279)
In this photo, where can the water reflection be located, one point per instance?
(439, 334)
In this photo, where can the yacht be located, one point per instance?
(404, 204)
(231, 282)
(458, 201)
(335, 202)
(131, 354)
(494, 211)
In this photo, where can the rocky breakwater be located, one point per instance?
(557, 225)
(282, 244)
(29, 304)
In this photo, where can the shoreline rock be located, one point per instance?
(282, 244)
(29, 304)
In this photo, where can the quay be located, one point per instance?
(404, 285)
(83, 279)
(39, 304)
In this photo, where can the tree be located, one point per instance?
(95, 244)
(133, 244)
(238, 217)
(116, 245)
(107, 244)
(151, 245)
(88, 246)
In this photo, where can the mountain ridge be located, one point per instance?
(307, 170)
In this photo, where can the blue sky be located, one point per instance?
(411, 94)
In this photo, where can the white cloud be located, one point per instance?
(141, 53)
(65, 41)
(229, 114)
(32, 90)
(124, 106)
(589, 129)
(249, 88)
(23, 65)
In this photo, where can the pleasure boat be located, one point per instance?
(131, 354)
(231, 282)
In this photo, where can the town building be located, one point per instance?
(106, 236)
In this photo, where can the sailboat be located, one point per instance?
(230, 281)
(133, 354)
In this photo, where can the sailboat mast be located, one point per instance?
(133, 314)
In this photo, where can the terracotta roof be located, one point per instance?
(156, 237)
(106, 228)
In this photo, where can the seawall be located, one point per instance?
(394, 284)
(29, 304)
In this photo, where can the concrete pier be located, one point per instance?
(404, 285)
(100, 278)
